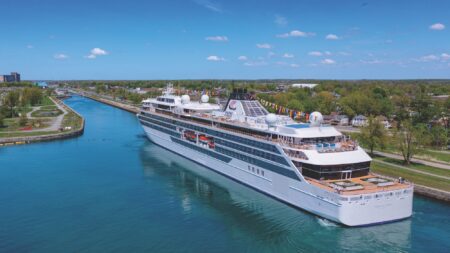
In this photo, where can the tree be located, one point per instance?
(32, 96)
(373, 135)
(326, 102)
(2, 123)
(408, 139)
(11, 101)
(23, 120)
(438, 136)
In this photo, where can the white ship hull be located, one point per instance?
(354, 211)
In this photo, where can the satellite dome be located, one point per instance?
(205, 98)
(185, 99)
(316, 119)
(271, 119)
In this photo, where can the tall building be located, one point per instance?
(14, 77)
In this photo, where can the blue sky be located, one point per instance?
(197, 39)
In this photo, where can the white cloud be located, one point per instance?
(445, 56)
(331, 37)
(255, 63)
(214, 58)
(210, 5)
(280, 20)
(428, 58)
(371, 61)
(437, 26)
(315, 53)
(264, 45)
(30, 46)
(295, 33)
(433, 58)
(242, 58)
(287, 55)
(217, 38)
(293, 65)
(96, 52)
(327, 53)
(328, 61)
(60, 56)
(270, 54)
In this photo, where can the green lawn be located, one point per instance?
(416, 178)
(424, 154)
(46, 113)
(46, 101)
(72, 119)
(434, 155)
(417, 166)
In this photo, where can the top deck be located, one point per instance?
(360, 185)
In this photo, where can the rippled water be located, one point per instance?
(111, 190)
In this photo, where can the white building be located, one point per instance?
(304, 85)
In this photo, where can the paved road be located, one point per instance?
(428, 163)
(410, 169)
(348, 129)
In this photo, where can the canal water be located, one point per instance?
(111, 190)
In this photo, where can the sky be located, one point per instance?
(225, 39)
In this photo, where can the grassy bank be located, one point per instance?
(417, 166)
(417, 178)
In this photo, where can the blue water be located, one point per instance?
(298, 126)
(111, 190)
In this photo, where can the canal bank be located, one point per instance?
(423, 190)
(49, 135)
(111, 190)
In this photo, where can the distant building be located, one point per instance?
(304, 85)
(359, 121)
(14, 77)
(41, 84)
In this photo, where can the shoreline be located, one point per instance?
(9, 141)
(422, 190)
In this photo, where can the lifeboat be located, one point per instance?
(189, 135)
(204, 139)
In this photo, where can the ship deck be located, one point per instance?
(360, 185)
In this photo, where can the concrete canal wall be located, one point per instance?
(123, 106)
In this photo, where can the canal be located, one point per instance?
(111, 190)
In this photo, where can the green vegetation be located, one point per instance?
(72, 119)
(373, 135)
(46, 112)
(437, 155)
(416, 166)
(408, 139)
(23, 134)
(417, 178)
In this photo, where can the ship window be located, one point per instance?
(257, 171)
(262, 172)
(253, 169)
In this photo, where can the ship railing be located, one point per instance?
(326, 147)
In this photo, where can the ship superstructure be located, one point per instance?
(311, 166)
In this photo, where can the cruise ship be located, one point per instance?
(310, 166)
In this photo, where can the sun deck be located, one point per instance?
(362, 185)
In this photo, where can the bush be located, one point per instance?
(23, 119)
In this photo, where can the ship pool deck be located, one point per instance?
(360, 185)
